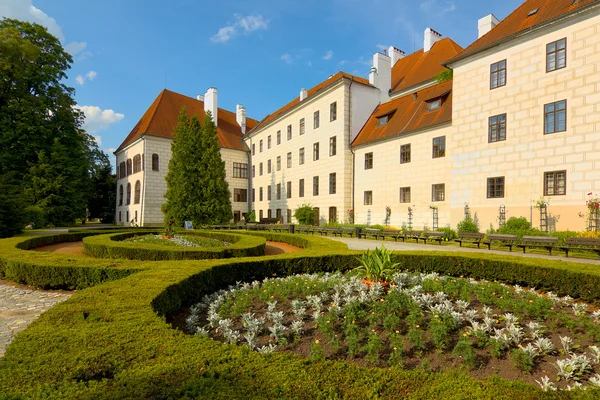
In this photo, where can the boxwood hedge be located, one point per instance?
(112, 341)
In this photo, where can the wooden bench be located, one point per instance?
(502, 240)
(469, 237)
(327, 231)
(370, 232)
(347, 231)
(411, 235)
(392, 234)
(317, 229)
(305, 229)
(435, 236)
(279, 228)
(544, 242)
(584, 244)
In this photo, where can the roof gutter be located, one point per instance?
(527, 31)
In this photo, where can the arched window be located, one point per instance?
(137, 163)
(121, 195)
(129, 169)
(155, 164)
(138, 191)
(122, 170)
(128, 194)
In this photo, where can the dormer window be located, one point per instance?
(434, 104)
(381, 121)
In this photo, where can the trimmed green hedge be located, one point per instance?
(111, 341)
(112, 246)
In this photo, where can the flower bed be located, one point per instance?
(178, 240)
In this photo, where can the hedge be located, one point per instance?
(112, 246)
(112, 341)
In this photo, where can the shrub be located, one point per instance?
(519, 226)
(449, 234)
(467, 225)
(34, 215)
(251, 217)
(305, 214)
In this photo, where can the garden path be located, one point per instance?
(366, 244)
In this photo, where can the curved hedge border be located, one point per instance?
(111, 341)
(112, 246)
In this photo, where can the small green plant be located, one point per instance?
(377, 265)
(467, 225)
(415, 337)
(251, 217)
(522, 360)
(373, 347)
(305, 214)
(449, 234)
(169, 230)
(316, 351)
(464, 349)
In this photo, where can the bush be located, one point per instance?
(467, 225)
(449, 234)
(305, 214)
(35, 216)
(251, 217)
(519, 226)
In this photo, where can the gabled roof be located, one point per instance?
(420, 67)
(161, 118)
(330, 81)
(408, 114)
(523, 19)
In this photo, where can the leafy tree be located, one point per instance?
(11, 209)
(196, 186)
(467, 225)
(305, 214)
(101, 201)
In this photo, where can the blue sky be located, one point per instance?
(257, 53)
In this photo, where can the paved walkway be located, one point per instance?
(368, 244)
(20, 305)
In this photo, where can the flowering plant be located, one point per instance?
(593, 212)
(593, 203)
(351, 215)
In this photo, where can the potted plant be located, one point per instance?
(376, 266)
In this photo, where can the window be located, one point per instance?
(438, 192)
(260, 215)
(278, 138)
(301, 188)
(495, 187)
(269, 192)
(278, 163)
(122, 170)
(268, 166)
(269, 142)
(555, 183)
(138, 192)
(332, 146)
(278, 214)
(269, 213)
(368, 197)
(260, 194)
(332, 183)
(405, 153)
(289, 159)
(253, 149)
(333, 111)
(316, 152)
(260, 169)
(439, 147)
(555, 117)
(301, 156)
(129, 167)
(332, 215)
(260, 146)
(136, 213)
(253, 195)
(369, 161)
(315, 185)
(434, 104)
(278, 191)
(316, 120)
(240, 195)
(289, 132)
(127, 216)
(498, 74)
(497, 128)
(405, 194)
(137, 163)
(289, 190)
(155, 162)
(240, 170)
(121, 195)
(128, 195)
(556, 55)
(383, 120)
(254, 171)
(302, 126)
(289, 216)
(120, 218)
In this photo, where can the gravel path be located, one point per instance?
(21, 305)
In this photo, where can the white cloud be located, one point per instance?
(328, 55)
(75, 48)
(432, 6)
(91, 75)
(80, 79)
(97, 119)
(98, 140)
(245, 25)
(382, 47)
(309, 64)
(287, 58)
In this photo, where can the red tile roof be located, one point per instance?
(408, 114)
(519, 22)
(310, 92)
(420, 67)
(161, 118)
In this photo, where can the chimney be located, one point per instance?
(200, 97)
(431, 37)
(381, 75)
(240, 117)
(303, 94)
(396, 54)
(486, 24)
(211, 103)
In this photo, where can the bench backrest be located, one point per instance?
(434, 234)
(367, 230)
(304, 227)
(392, 232)
(413, 233)
(502, 237)
(348, 230)
(470, 235)
(583, 241)
(331, 229)
(540, 239)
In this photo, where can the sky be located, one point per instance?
(258, 53)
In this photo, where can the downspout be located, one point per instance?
(351, 150)
(143, 191)
(250, 178)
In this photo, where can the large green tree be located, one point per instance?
(196, 187)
